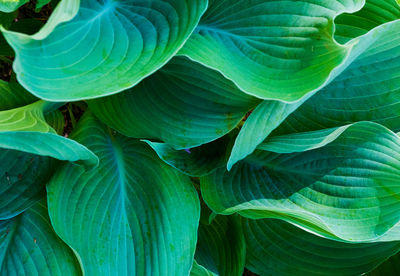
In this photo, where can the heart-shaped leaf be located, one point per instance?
(132, 215)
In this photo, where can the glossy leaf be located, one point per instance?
(220, 247)
(184, 105)
(271, 49)
(368, 90)
(107, 45)
(29, 246)
(278, 248)
(340, 183)
(132, 215)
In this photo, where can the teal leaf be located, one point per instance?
(132, 215)
(93, 48)
(9, 6)
(198, 161)
(272, 49)
(262, 121)
(373, 14)
(197, 105)
(29, 246)
(368, 90)
(221, 247)
(275, 247)
(340, 183)
(199, 270)
(28, 147)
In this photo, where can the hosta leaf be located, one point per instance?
(271, 49)
(132, 215)
(196, 161)
(29, 246)
(101, 47)
(221, 247)
(184, 104)
(367, 90)
(199, 270)
(373, 14)
(56, 120)
(26, 143)
(262, 121)
(11, 5)
(277, 248)
(12, 95)
(340, 183)
(389, 267)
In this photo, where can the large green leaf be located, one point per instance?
(373, 14)
(101, 47)
(132, 215)
(340, 183)
(267, 116)
(29, 246)
(220, 246)
(26, 144)
(272, 49)
(278, 248)
(368, 90)
(183, 104)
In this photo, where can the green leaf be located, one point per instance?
(275, 247)
(101, 48)
(198, 270)
(26, 143)
(368, 90)
(132, 215)
(221, 247)
(197, 105)
(262, 121)
(373, 14)
(29, 246)
(13, 95)
(11, 5)
(40, 4)
(389, 267)
(272, 49)
(56, 120)
(340, 183)
(198, 161)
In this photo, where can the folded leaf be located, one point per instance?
(277, 248)
(132, 215)
(368, 90)
(198, 270)
(26, 144)
(267, 116)
(28, 245)
(90, 49)
(184, 104)
(340, 183)
(272, 49)
(221, 247)
(373, 14)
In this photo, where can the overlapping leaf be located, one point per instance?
(184, 105)
(271, 49)
(95, 48)
(277, 248)
(340, 183)
(132, 215)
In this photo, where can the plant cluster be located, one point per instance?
(199, 137)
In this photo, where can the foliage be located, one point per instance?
(199, 137)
